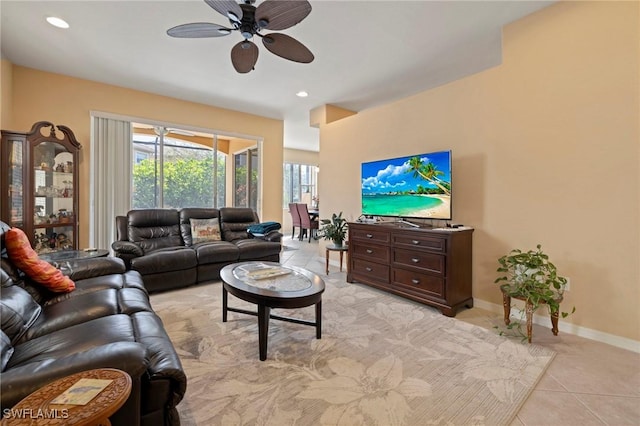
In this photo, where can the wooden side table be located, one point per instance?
(36, 408)
(341, 249)
(506, 303)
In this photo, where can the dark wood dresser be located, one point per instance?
(424, 264)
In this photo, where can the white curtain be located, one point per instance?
(110, 178)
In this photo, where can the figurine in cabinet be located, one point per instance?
(42, 244)
(62, 242)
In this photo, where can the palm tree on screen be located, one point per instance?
(428, 172)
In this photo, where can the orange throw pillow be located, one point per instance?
(25, 258)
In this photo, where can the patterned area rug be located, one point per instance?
(382, 360)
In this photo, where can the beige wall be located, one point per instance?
(300, 156)
(6, 93)
(545, 150)
(66, 100)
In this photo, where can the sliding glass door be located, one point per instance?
(175, 169)
(245, 182)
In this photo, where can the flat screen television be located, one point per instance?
(415, 186)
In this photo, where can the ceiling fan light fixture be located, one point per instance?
(248, 20)
(57, 22)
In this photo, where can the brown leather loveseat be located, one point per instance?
(106, 322)
(158, 243)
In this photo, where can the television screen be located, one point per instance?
(416, 186)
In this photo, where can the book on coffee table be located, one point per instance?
(269, 272)
(80, 393)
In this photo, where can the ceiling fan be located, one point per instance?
(250, 21)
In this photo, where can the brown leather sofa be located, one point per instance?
(106, 322)
(158, 244)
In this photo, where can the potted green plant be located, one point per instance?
(531, 277)
(334, 229)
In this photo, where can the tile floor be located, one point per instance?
(587, 383)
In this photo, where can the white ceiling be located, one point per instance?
(367, 53)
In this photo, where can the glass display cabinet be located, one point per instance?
(39, 175)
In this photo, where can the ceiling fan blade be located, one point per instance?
(198, 30)
(244, 56)
(228, 8)
(281, 14)
(287, 48)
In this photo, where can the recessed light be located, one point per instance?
(302, 94)
(57, 22)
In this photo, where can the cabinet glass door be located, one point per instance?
(15, 183)
(53, 203)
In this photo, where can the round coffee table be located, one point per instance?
(271, 285)
(37, 406)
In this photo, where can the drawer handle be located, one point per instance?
(415, 242)
(415, 260)
(369, 235)
(369, 251)
(415, 281)
(368, 269)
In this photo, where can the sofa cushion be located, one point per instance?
(77, 310)
(257, 249)
(18, 311)
(74, 340)
(154, 229)
(216, 252)
(203, 230)
(235, 221)
(6, 350)
(165, 260)
(25, 258)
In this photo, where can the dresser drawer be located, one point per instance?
(370, 271)
(371, 252)
(428, 262)
(379, 236)
(420, 242)
(424, 283)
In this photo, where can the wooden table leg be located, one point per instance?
(224, 304)
(341, 253)
(506, 304)
(263, 329)
(554, 323)
(319, 320)
(327, 257)
(529, 312)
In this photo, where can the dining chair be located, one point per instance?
(306, 224)
(295, 219)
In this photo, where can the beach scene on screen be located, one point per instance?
(411, 186)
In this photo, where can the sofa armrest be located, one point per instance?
(127, 251)
(19, 381)
(127, 247)
(97, 267)
(273, 236)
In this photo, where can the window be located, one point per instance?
(245, 182)
(171, 172)
(300, 184)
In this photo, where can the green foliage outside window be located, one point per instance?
(187, 183)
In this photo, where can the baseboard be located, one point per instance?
(565, 327)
